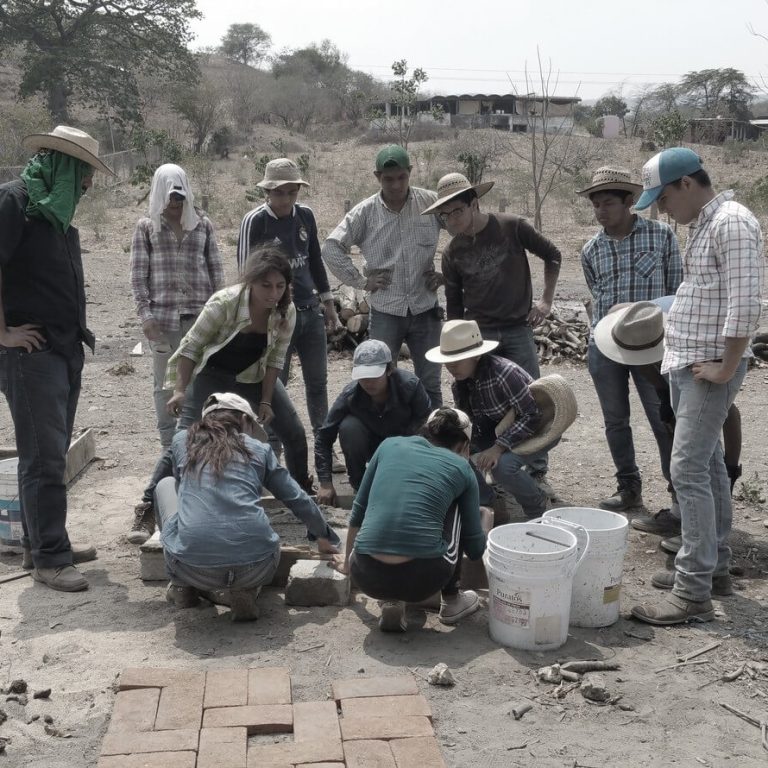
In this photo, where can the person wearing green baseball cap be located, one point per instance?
(398, 247)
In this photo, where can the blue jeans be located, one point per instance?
(420, 332)
(700, 480)
(611, 380)
(516, 344)
(358, 444)
(42, 389)
(510, 473)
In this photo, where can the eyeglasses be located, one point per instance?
(445, 216)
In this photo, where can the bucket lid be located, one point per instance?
(531, 541)
(590, 518)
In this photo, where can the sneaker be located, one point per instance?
(242, 603)
(622, 500)
(663, 523)
(674, 610)
(392, 617)
(338, 466)
(672, 544)
(456, 607)
(181, 595)
(65, 578)
(80, 554)
(143, 523)
(722, 586)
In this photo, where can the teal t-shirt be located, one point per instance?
(406, 493)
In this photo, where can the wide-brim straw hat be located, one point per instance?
(459, 340)
(633, 335)
(611, 178)
(68, 141)
(454, 184)
(558, 406)
(279, 172)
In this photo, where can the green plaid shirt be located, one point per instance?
(224, 315)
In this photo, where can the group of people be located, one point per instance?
(423, 473)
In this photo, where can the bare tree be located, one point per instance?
(202, 107)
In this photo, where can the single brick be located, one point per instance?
(417, 753)
(358, 687)
(149, 677)
(222, 747)
(181, 706)
(134, 710)
(313, 582)
(269, 685)
(384, 727)
(264, 718)
(154, 760)
(368, 754)
(226, 688)
(315, 721)
(273, 755)
(152, 560)
(126, 743)
(386, 706)
(320, 765)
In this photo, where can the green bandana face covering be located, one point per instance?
(54, 185)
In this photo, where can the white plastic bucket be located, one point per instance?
(597, 581)
(530, 570)
(10, 512)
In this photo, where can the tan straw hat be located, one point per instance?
(611, 178)
(229, 401)
(68, 141)
(459, 340)
(454, 184)
(633, 335)
(279, 172)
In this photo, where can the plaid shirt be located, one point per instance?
(169, 278)
(721, 294)
(498, 387)
(403, 241)
(642, 266)
(224, 315)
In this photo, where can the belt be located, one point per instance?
(305, 307)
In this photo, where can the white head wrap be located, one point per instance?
(171, 178)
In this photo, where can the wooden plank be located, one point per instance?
(13, 576)
(80, 454)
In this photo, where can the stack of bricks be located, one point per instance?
(175, 719)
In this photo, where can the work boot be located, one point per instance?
(663, 523)
(242, 603)
(722, 586)
(392, 617)
(182, 595)
(672, 545)
(143, 523)
(674, 610)
(65, 578)
(544, 485)
(624, 499)
(456, 607)
(80, 554)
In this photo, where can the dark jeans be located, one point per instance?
(42, 389)
(420, 332)
(358, 444)
(611, 382)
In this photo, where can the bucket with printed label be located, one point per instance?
(10, 512)
(597, 581)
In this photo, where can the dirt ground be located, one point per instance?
(76, 644)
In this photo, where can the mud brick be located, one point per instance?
(417, 753)
(134, 710)
(126, 743)
(152, 560)
(320, 765)
(358, 687)
(154, 760)
(313, 582)
(181, 706)
(384, 727)
(315, 721)
(264, 718)
(386, 706)
(149, 677)
(269, 685)
(278, 755)
(368, 754)
(226, 688)
(222, 748)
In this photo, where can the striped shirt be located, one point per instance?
(642, 266)
(721, 292)
(224, 315)
(171, 278)
(403, 241)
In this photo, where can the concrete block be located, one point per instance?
(356, 687)
(386, 706)
(315, 721)
(385, 728)
(80, 454)
(368, 754)
(417, 753)
(134, 710)
(127, 743)
(181, 706)
(264, 718)
(226, 688)
(223, 747)
(289, 556)
(152, 560)
(327, 751)
(153, 760)
(315, 583)
(269, 685)
(157, 677)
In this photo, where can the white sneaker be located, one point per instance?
(456, 607)
(392, 616)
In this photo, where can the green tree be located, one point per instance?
(91, 52)
(247, 43)
(404, 95)
(718, 91)
(668, 129)
(202, 107)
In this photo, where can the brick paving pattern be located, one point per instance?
(167, 718)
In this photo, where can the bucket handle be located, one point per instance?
(579, 531)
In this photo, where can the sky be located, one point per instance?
(485, 47)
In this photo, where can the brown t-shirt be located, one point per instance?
(487, 277)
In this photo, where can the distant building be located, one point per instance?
(716, 130)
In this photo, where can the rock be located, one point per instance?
(17, 686)
(549, 674)
(313, 582)
(3, 717)
(3, 742)
(441, 675)
(593, 688)
(45, 693)
(47, 719)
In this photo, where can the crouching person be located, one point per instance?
(414, 515)
(215, 533)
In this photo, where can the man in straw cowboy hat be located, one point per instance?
(488, 279)
(715, 312)
(42, 330)
(399, 252)
(507, 423)
(630, 259)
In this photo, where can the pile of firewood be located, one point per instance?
(559, 339)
